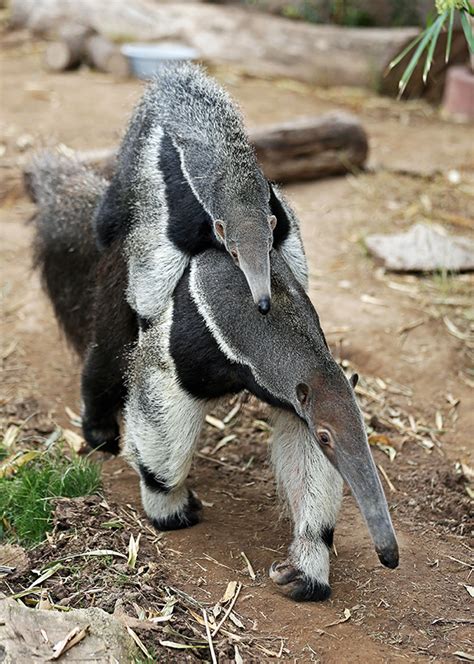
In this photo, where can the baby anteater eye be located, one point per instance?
(235, 255)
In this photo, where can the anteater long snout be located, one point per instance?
(359, 471)
(257, 272)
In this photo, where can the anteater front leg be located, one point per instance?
(162, 427)
(313, 490)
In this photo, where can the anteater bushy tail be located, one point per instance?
(66, 194)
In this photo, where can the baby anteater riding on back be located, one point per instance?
(198, 352)
(187, 179)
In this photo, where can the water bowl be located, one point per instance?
(146, 59)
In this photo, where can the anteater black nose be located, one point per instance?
(264, 305)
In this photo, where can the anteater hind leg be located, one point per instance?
(102, 398)
(162, 425)
(313, 490)
(114, 334)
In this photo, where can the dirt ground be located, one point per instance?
(407, 337)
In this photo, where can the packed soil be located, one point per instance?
(408, 337)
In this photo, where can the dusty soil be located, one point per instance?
(406, 336)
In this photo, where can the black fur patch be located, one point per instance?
(152, 481)
(283, 223)
(189, 225)
(189, 516)
(144, 323)
(327, 535)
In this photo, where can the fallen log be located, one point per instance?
(303, 149)
(311, 148)
(262, 45)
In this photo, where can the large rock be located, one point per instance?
(23, 631)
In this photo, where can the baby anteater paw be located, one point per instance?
(297, 585)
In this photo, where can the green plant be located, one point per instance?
(428, 38)
(26, 493)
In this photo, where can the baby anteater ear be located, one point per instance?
(354, 380)
(219, 229)
(272, 220)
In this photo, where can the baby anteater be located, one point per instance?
(187, 179)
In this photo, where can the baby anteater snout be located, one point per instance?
(264, 304)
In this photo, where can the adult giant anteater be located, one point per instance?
(165, 377)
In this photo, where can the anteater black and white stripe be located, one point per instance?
(199, 352)
(187, 179)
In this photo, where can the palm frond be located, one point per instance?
(427, 36)
(434, 39)
(466, 26)
(450, 34)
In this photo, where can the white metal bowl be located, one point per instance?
(146, 59)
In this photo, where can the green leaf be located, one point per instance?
(434, 39)
(467, 31)
(416, 56)
(450, 34)
(400, 57)
(468, 7)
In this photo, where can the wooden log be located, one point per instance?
(68, 52)
(304, 149)
(311, 148)
(59, 56)
(105, 56)
(262, 45)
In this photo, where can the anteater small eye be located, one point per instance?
(234, 255)
(324, 437)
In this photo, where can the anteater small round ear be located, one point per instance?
(302, 392)
(354, 380)
(272, 220)
(219, 229)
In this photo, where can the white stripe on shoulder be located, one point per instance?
(231, 353)
(188, 176)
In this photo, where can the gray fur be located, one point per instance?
(209, 132)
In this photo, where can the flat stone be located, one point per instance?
(423, 248)
(23, 634)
